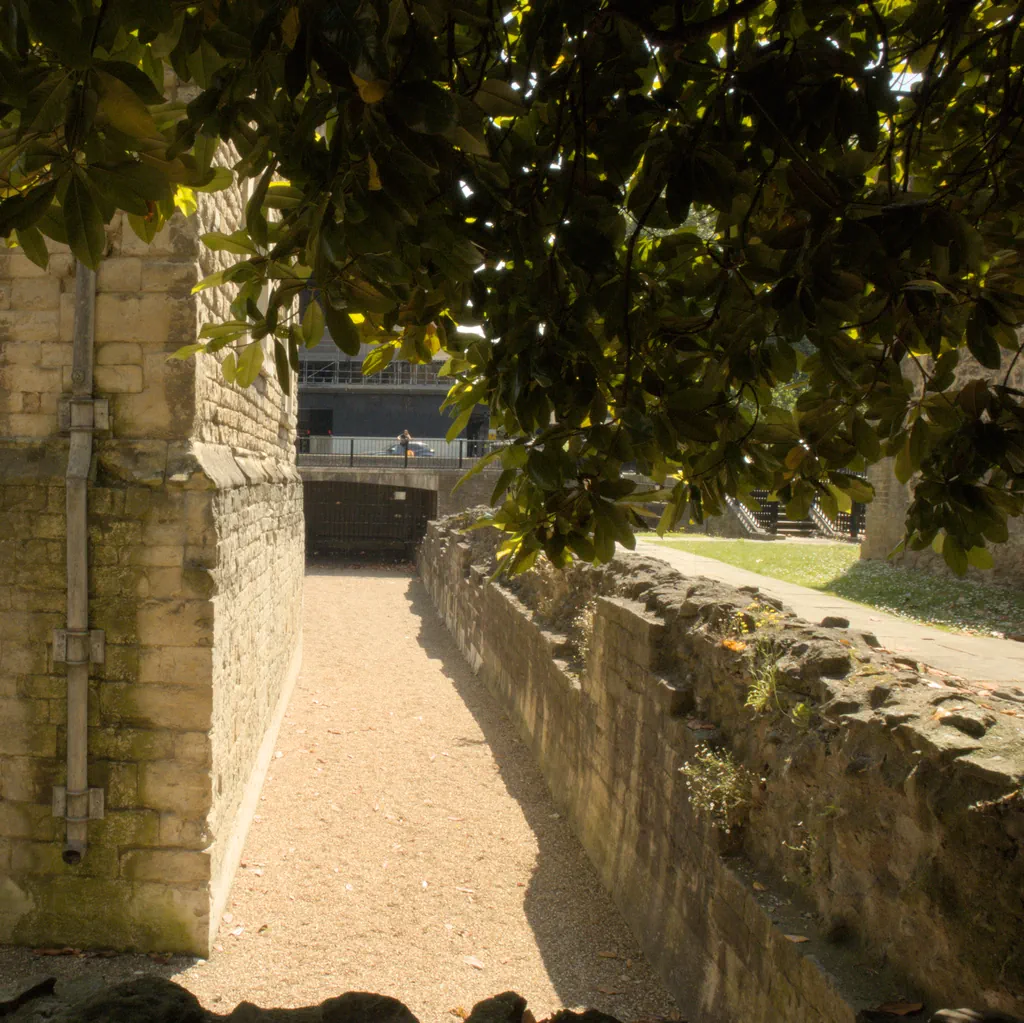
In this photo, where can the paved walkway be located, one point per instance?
(973, 657)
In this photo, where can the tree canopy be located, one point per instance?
(657, 214)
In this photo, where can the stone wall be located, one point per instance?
(195, 577)
(886, 514)
(858, 839)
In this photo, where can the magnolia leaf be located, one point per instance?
(379, 358)
(186, 352)
(498, 98)
(124, 109)
(229, 367)
(370, 92)
(83, 223)
(313, 324)
(31, 241)
(343, 331)
(237, 243)
(250, 362)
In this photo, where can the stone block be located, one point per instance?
(131, 744)
(191, 833)
(118, 379)
(193, 748)
(27, 820)
(182, 623)
(184, 789)
(156, 706)
(37, 740)
(33, 426)
(176, 665)
(119, 781)
(31, 378)
(35, 293)
(166, 866)
(21, 353)
(55, 354)
(158, 556)
(29, 325)
(28, 779)
(66, 318)
(174, 276)
(120, 273)
(119, 353)
(18, 265)
(169, 918)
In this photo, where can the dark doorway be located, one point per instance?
(366, 519)
(316, 421)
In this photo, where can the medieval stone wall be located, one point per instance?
(195, 577)
(785, 817)
(886, 514)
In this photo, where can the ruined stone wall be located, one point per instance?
(886, 514)
(789, 862)
(195, 578)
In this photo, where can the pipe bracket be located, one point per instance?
(82, 414)
(94, 804)
(79, 646)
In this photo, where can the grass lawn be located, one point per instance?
(961, 605)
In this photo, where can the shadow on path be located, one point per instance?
(572, 918)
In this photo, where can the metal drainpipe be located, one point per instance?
(77, 645)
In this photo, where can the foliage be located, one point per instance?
(719, 787)
(650, 211)
(960, 605)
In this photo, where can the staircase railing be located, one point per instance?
(747, 518)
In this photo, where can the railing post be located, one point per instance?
(406, 459)
(773, 517)
(351, 451)
(460, 452)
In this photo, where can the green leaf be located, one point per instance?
(313, 324)
(460, 424)
(343, 331)
(83, 223)
(124, 109)
(379, 358)
(954, 554)
(224, 329)
(186, 352)
(284, 370)
(213, 280)
(498, 99)
(903, 466)
(222, 178)
(238, 243)
(250, 362)
(229, 367)
(980, 557)
(31, 241)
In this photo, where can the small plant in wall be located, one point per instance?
(719, 787)
(763, 693)
(582, 632)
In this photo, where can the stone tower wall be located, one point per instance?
(195, 552)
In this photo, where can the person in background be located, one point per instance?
(404, 438)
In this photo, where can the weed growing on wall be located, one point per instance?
(719, 787)
(763, 692)
(582, 632)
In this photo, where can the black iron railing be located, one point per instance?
(391, 453)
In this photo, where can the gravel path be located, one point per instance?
(405, 842)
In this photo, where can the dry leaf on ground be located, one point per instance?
(474, 962)
(796, 938)
(901, 1008)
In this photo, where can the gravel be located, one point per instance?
(405, 842)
